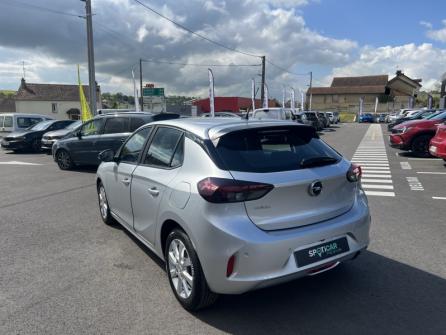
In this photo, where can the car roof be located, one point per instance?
(213, 128)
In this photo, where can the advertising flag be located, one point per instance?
(376, 104)
(135, 92)
(253, 93)
(293, 99)
(302, 101)
(211, 93)
(265, 98)
(85, 109)
(361, 105)
(283, 97)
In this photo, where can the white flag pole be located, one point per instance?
(253, 94)
(211, 93)
(302, 101)
(265, 99)
(135, 92)
(376, 105)
(293, 99)
(283, 97)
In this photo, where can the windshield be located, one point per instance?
(41, 125)
(437, 116)
(276, 114)
(74, 125)
(274, 149)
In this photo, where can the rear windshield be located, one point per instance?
(276, 114)
(273, 149)
(311, 116)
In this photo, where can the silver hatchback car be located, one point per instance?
(233, 205)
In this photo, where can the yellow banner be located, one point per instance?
(85, 109)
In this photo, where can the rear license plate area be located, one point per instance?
(321, 251)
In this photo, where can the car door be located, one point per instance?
(116, 131)
(150, 180)
(118, 180)
(82, 146)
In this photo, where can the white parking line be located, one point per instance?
(424, 159)
(371, 155)
(431, 172)
(405, 166)
(381, 187)
(18, 163)
(370, 180)
(380, 194)
(439, 198)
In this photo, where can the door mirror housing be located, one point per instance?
(79, 134)
(107, 156)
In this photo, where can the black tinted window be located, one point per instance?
(133, 147)
(92, 127)
(163, 147)
(271, 149)
(8, 121)
(136, 122)
(116, 125)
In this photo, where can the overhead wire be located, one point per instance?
(25, 5)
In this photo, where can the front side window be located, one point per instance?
(134, 145)
(273, 149)
(91, 128)
(116, 125)
(163, 148)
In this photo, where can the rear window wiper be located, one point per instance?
(317, 161)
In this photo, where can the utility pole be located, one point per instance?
(91, 69)
(311, 93)
(140, 84)
(262, 87)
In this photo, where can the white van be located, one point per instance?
(10, 122)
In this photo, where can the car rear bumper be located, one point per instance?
(265, 258)
(438, 149)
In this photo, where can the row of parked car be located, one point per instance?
(421, 131)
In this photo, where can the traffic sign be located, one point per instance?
(153, 92)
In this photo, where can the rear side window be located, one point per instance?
(273, 149)
(134, 145)
(2, 118)
(116, 125)
(166, 148)
(25, 122)
(136, 122)
(8, 121)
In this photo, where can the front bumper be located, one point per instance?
(47, 144)
(397, 141)
(14, 145)
(265, 258)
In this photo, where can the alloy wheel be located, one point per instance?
(103, 205)
(181, 270)
(64, 160)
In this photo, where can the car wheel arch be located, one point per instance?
(423, 133)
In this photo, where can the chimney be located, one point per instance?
(399, 72)
(23, 84)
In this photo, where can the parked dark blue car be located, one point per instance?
(366, 118)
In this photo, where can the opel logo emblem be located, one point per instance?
(315, 188)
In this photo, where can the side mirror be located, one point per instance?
(107, 155)
(79, 134)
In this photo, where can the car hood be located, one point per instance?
(20, 133)
(418, 123)
(58, 133)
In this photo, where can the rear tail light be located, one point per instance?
(354, 173)
(221, 190)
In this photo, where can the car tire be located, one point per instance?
(420, 145)
(185, 274)
(104, 208)
(64, 160)
(36, 145)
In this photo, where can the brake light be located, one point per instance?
(354, 173)
(221, 190)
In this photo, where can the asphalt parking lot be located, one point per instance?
(64, 272)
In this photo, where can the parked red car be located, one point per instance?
(416, 135)
(438, 143)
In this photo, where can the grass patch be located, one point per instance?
(347, 117)
(7, 92)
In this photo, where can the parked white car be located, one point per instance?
(275, 113)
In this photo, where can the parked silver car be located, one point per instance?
(234, 205)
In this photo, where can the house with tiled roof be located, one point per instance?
(344, 93)
(56, 100)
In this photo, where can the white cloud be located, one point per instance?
(426, 24)
(416, 61)
(435, 34)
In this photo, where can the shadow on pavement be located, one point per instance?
(372, 295)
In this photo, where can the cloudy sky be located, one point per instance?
(328, 37)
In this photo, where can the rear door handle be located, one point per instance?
(126, 181)
(154, 191)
